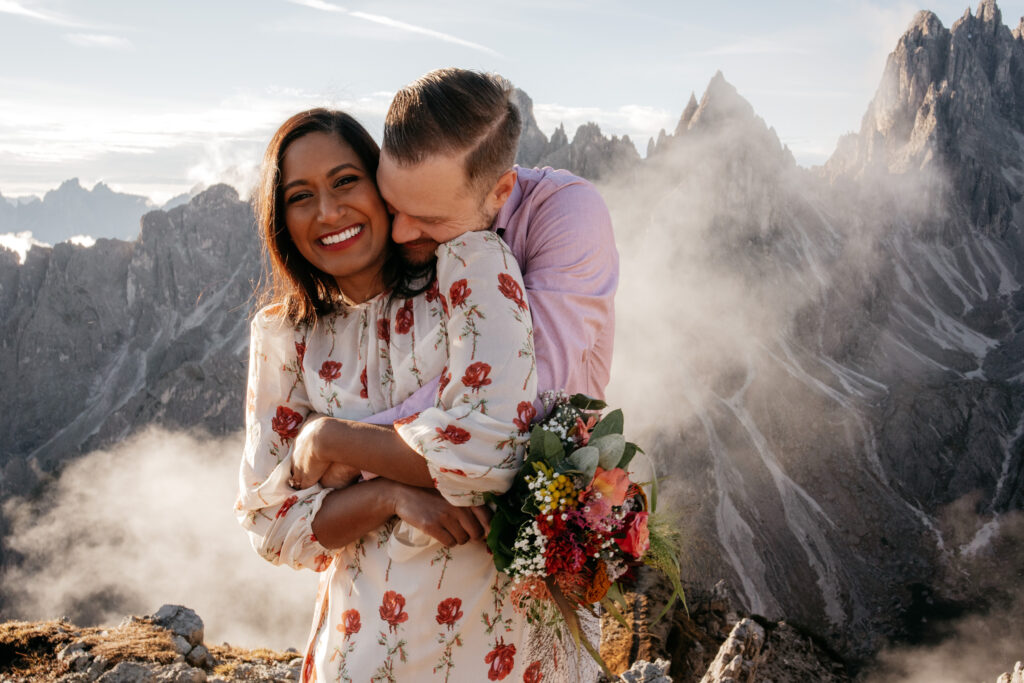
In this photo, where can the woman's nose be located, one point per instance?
(329, 208)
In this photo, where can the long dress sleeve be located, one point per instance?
(277, 517)
(472, 439)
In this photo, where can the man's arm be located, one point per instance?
(571, 272)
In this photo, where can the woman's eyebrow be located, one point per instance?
(336, 169)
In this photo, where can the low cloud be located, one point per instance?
(639, 122)
(149, 522)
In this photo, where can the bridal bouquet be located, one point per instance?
(574, 526)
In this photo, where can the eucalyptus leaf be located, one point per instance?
(629, 451)
(611, 448)
(585, 460)
(584, 402)
(609, 424)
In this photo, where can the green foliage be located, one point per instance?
(663, 555)
(584, 402)
(610, 424)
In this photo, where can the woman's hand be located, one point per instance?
(307, 466)
(428, 511)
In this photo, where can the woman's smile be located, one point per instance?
(341, 239)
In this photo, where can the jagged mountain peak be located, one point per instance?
(925, 23)
(951, 101)
(721, 103)
(688, 112)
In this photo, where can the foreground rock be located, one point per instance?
(166, 647)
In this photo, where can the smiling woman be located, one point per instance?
(408, 588)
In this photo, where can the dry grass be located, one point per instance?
(242, 655)
(29, 649)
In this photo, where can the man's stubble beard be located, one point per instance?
(421, 252)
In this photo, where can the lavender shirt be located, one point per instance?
(558, 228)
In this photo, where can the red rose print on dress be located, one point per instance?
(446, 377)
(433, 292)
(384, 330)
(286, 422)
(451, 433)
(456, 471)
(502, 659)
(286, 506)
(459, 292)
(363, 393)
(300, 349)
(476, 376)
(526, 414)
(350, 623)
(533, 673)
(330, 370)
(449, 611)
(406, 420)
(323, 561)
(404, 318)
(511, 290)
(392, 609)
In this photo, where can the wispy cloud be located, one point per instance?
(19, 9)
(753, 47)
(394, 23)
(99, 40)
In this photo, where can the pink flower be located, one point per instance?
(611, 484)
(637, 539)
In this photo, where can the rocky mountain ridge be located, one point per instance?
(72, 210)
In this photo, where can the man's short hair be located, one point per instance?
(453, 111)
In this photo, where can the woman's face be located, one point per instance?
(334, 213)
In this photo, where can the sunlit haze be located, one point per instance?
(156, 98)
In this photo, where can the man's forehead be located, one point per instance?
(434, 180)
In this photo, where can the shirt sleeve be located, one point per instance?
(422, 398)
(277, 518)
(571, 271)
(472, 438)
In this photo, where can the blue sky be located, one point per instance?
(155, 97)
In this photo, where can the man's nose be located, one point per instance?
(403, 229)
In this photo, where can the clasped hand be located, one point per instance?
(423, 508)
(308, 468)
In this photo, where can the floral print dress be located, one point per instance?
(396, 605)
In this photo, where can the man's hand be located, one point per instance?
(428, 511)
(307, 468)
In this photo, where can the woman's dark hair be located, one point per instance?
(305, 291)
